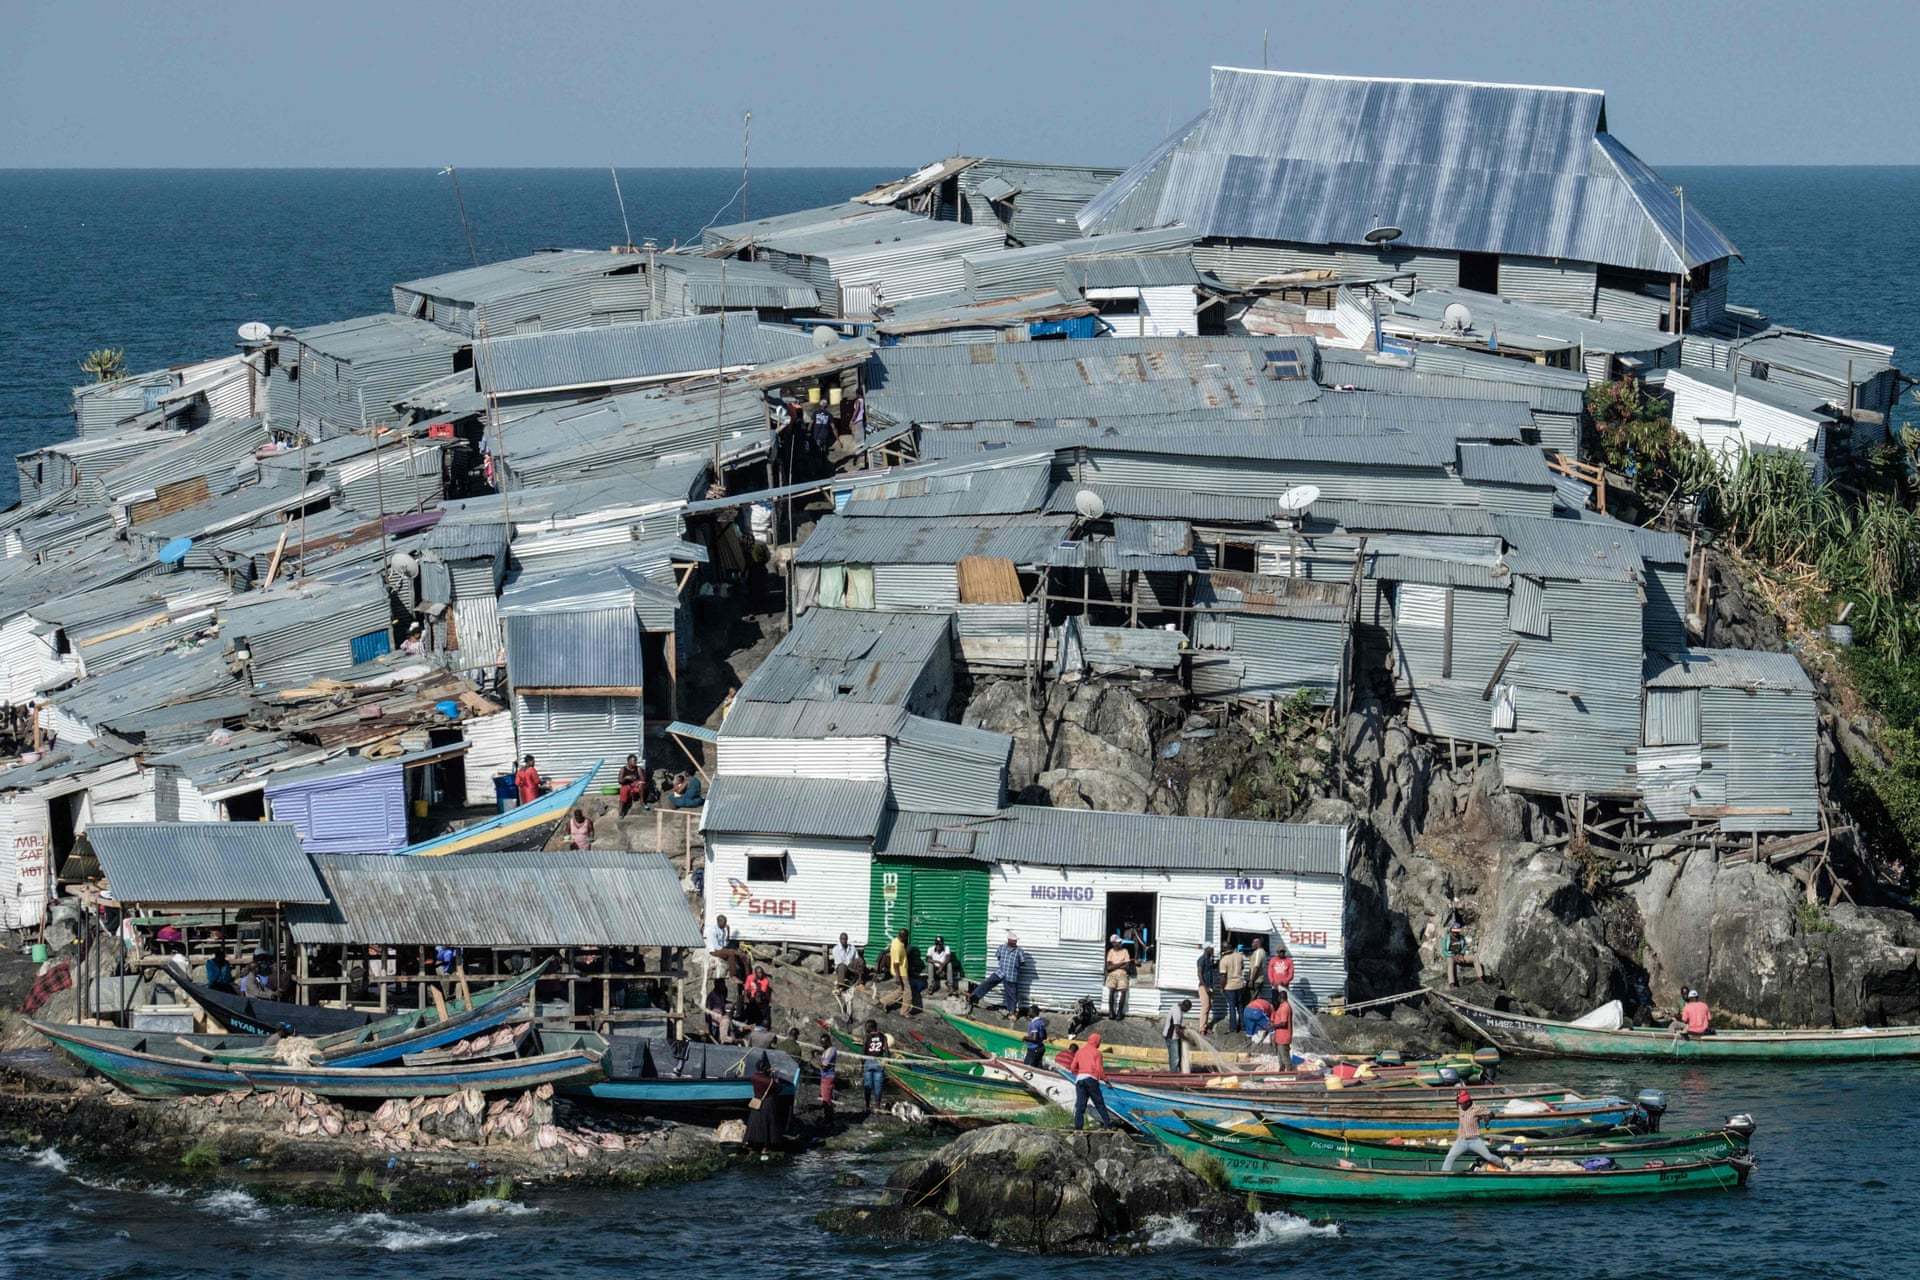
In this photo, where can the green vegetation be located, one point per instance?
(105, 364)
(1282, 765)
(1812, 918)
(1816, 553)
(1206, 1168)
(201, 1157)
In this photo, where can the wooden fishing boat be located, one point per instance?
(1294, 1179)
(151, 1065)
(1007, 1042)
(248, 1015)
(393, 1037)
(1140, 1107)
(685, 1080)
(968, 1100)
(1516, 1033)
(501, 1042)
(527, 827)
(1301, 1144)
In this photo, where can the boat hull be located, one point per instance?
(528, 827)
(1303, 1144)
(244, 1015)
(1514, 1033)
(1307, 1180)
(968, 1099)
(1142, 1108)
(125, 1059)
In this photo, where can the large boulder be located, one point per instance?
(1050, 1191)
(1543, 937)
(1002, 706)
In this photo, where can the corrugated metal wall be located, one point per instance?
(826, 893)
(363, 812)
(569, 733)
(915, 586)
(1770, 736)
(1452, 709)
(932, 899)
(923, 776)
(1673, 718)
(854, 759)
(1555, 282)
(1664, 615)
(490, 748)
(24, 882)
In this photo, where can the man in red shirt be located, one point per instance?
(1280, 967)
(527, 781)
(1089, 1069)
(1695, 1018)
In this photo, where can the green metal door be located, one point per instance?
(932, 898)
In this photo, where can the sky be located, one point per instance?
(552, 83)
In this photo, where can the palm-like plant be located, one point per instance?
(105, 364)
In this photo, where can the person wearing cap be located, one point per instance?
(1695, 1018)
(1466, 1137)
(942, 966)
(1008, 961)
(1119, 960)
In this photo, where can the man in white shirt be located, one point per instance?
(1173, 1029)
(719, 941)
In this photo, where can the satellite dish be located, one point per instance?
(176, 551)
(253, 332)
(823, 337)
(404, 563)
(1457, 317)
(1299, 498)
(1384, 235)
(1089, 504)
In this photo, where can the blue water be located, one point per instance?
(167, 264)
(1833, 1196)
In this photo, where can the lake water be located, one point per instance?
(1833, 1196)
(167, 264)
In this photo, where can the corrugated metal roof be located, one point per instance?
(592, 590)
(848, 656)
(1521, 326)
(1727, 669)
(1519, 464)
(1318, 159)
(831, 808)
(1408, 517)
(969, 310)
(609, 355)
(184, 863)
(1086, 838)
(955, 739)
(1023, 539)
(570, 899)
(1165, 504)
(1548, 547)
(805, 718)
(1000, 486)
(377, 337)
(748, 284)
(514, 276)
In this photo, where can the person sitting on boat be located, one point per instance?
(633, 784)
(527, 782)
(258, 982)
(1467, 1139)
(1089, 1070)
(1036, 1037)
(219, 970)
(1695, 1018)
(719, 1024)
(686, 792)
(1008, 960)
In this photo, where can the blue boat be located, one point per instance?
(682, 1079)
(1142, 1108)
(528, 827)
(156, 1065)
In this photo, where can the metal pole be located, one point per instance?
(1679, 326)
(627, 230)
(460, 202)
(746, 147)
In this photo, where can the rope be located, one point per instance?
(1404, 995)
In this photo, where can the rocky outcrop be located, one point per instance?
(1048, 1191)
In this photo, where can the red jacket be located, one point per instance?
(527, 781)
(1280, 971)
(1089, 1061)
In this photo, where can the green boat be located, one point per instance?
(1516, 1033)
(1292, 1179)
(1008, 1042)
(1300, 1144)
(948, 1059)
(972, 1100)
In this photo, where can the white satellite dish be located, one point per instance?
(1089, 504)
(404, 564)
(1299, 498)
(1457, 317)
(1383, 235)
(254, 332)
(823, 337)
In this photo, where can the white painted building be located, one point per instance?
(1734, 417)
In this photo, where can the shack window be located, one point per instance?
(768, 868)
(1238, 556)
(1480, 272)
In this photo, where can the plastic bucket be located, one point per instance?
(419, 808)
(39, 953)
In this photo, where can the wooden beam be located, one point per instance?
(1499, 669)
(279, 549)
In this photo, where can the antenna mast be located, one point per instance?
(460, 202)
(720, 365)
(623, 205)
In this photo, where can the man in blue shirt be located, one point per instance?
(1008, 959)
(1036, 1038)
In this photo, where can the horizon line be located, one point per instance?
(721, 168)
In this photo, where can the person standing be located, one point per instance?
(1283, 1027)
(526, 781)
(1466, 1136)
(1173, 1030)
(633, 784)
(898, 969)
(756, 997)
(1257, 965)
(1207, 978)
(873, 1076)
(845, 960)
(1089, 1070)
(719, 1024)
(1036, 1037)
(1233, 983)
(1008, 961)
(829, 1063)
(1119, 960)
(719, 947)
(1280, 968)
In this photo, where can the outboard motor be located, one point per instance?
(1487, 1059)
(1654, 1103)
(1085, 1014)
(1387, 1058)
(1741, 1125)
(1449, 1076)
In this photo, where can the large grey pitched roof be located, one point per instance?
(1086, 838)
(1493, 168)
(185, 863)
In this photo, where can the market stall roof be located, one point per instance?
(203, 863)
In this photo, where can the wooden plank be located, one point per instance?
(279, 549)
(988, 580)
